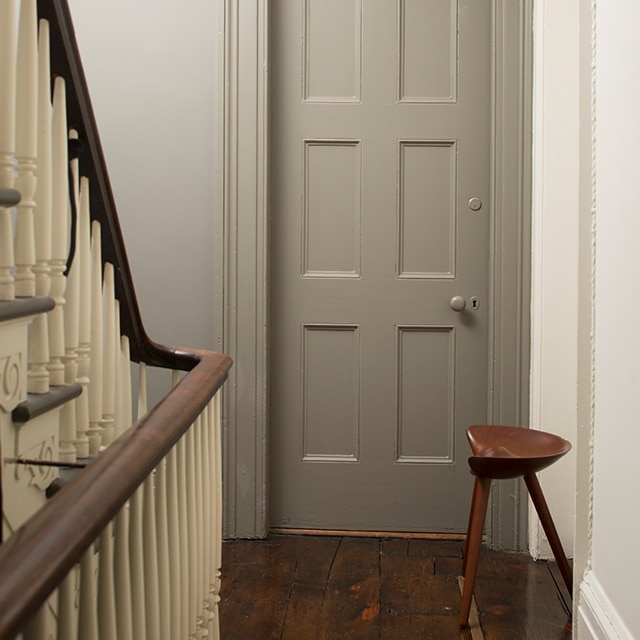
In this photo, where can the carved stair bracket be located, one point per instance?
(11, 367)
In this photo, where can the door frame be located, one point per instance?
(242, 256)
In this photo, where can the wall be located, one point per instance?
(151, 69)
(608, 603)
(554, 305)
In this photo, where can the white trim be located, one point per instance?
(241, 283)
(597, 617)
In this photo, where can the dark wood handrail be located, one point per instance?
(35, 559)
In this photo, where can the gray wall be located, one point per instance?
(151, 70)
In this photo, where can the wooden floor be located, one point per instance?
(331, 587)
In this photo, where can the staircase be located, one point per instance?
(111, 509)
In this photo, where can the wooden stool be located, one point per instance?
(508, 452)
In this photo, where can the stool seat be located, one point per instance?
(501, 452)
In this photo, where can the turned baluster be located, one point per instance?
(38, 376)
(83, 259)
(207, 511)
(151, 590)
(136, 554)
(7, 141)
(26, 147)
(184, 537)
(192, 553)
(60, 230)
(197, 429)
(123, 567)
(88, 614)
(108, 355)
(162, 529)
(71, 327)
(106, 587)
(96, 372)
(118, 425)
(67, 612)
(122, 577)
(217, 521)
(173, 515)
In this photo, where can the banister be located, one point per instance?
(36, 558)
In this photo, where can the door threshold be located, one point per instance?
(419, 535)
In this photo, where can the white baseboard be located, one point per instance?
(597, 617)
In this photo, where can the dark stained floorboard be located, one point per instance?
(331, 587)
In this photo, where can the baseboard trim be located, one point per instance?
(597, 617)
(368, 534)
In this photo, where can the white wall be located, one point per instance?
(151, 69)
(554, 304)
(609, 593)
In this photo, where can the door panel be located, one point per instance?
(380, 121)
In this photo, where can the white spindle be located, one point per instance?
(193, 536)
(38, 375)
(8, 94)
(216, 456)
(7, 141)
(162, 528)
(142, 390)
(26, 146)
(118, 425)
(109, 355)
(96, 372)
(60, 229)
(88, 614)
(151, 591)
(106, 587)
(184, 537)
(173, 516)
(44, 184)
(83, 258)
(127, 402)
(67, 613)
(68, 421)
(123, 581)
(199, 523)
(136, 553)
(208, 515)
(72, 307)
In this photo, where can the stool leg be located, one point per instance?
(537, 497)
(479, 503)
(474, 497)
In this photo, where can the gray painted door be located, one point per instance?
(380, 173)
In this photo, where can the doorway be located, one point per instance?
(380, 120)
(244, 255)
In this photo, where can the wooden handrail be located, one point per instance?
(36, 558)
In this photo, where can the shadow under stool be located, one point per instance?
(501, 452)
